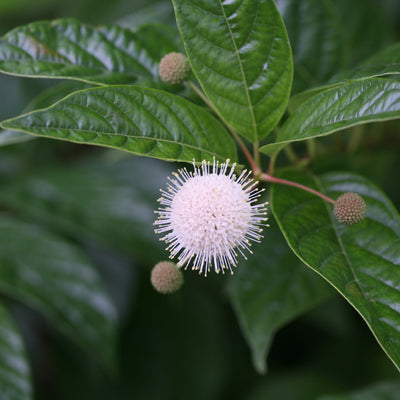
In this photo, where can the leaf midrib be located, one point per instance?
(371, 307)
(246, 89)
(110, 134)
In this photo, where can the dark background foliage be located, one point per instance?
(188, 345)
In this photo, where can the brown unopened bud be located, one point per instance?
(174, 68)
(166, 277)
(350, 208)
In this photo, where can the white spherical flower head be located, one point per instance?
(209, 216)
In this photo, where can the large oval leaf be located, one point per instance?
(270, 289)
(353, 103)
(15, 375)
(66, 48)
(55, 278)
(142, 121)
(240, 53)
(361, 261)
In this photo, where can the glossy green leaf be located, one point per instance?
(44, 99)
(318, 40)
(55, 278)
(353, 103)
(142, 121)
(361, 261)
(270, 289)
(240, 54)
(15, 375)
(66, 48)
(385, 62)
(108, 201)
(380, 391)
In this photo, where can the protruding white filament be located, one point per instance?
(209, 215)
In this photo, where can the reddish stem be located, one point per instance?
(269, 178)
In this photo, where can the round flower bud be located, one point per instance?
(166, 277)
(350, 208)
(174, 68)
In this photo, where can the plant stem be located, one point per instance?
(311, 149)
(256, 153)
(290, 154)
(355, 139)
(253, 164)
(268, 178)
(272, 163)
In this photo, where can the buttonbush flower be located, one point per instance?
(209, 216)
(166, 277)
(174, 68)
(350, 208)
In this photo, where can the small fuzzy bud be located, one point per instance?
(166, 277)
(174, 68)
(350, 208)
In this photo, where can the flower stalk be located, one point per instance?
(268, 178)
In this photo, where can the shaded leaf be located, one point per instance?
(318, 40)
(380, 391)
(353, 103)
(385, 62)
(270, 289)
(360, 261)
(15, 375)
(8, 137)
(109, 201)
(367, 29)
(52, 276)
(240, 54)
(66, 48)
(44, 99)
(142, 121)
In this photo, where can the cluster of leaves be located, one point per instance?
(243, 55)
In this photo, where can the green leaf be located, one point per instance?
(380, 391)
(318, 40)
(44, 99)
(270, 289)
(240, 54)
(8, 137)
(66, 48)
(353, 103)
(53, 277)
(360, 261)
(142, 121)
(385, 62)
(108, 201)
(15, 374)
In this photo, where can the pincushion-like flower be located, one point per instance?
(210, 215)
(350, 208)
(166, 277)
(174, 68)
